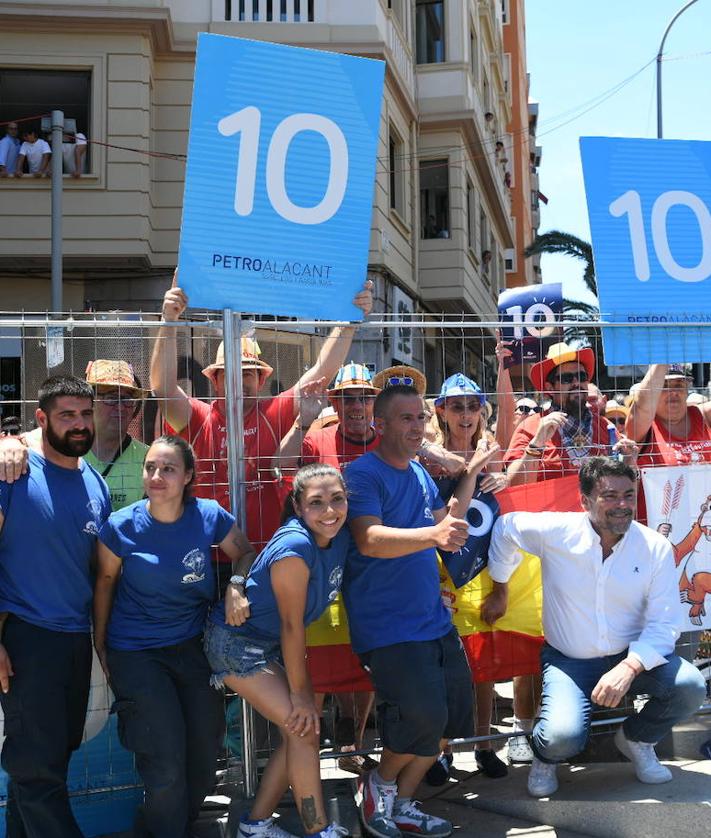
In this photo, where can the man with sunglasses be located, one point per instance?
(559, 442)
(115, 454)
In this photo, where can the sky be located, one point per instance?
(578, 50)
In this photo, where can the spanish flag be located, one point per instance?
(512, 646)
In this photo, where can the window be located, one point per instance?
(474, 56)
(396, 153)
(429, 31)
(471, 216)
(434, 199)
(25, 93)
(510, 260)
(396, 6)
(483, 232)
(504, 11)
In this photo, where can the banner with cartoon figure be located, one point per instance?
(678, 502)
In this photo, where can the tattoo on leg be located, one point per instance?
(308, 813)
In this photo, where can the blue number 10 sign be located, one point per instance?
(649, 203)
(279, 181)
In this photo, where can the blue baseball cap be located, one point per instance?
(459, 385)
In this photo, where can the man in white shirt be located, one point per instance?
(9, 148)
(37, 153)
(611, 617)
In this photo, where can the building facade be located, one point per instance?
(443, 219)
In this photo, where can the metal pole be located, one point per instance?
(660, 133)
(57, 184)
(234, 412)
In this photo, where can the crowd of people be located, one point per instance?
(32, 155)
(355, 484)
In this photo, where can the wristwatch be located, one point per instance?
(237, 580)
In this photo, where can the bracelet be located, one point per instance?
(533, 451)
(629, 666)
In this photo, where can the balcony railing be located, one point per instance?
(272, 11)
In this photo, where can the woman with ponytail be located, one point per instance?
(289, 585)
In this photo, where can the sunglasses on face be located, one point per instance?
(619, 420)
(569, 377)
(115, 397)
(360, 397)
(526, 409)
(400, 379)
(459, 407)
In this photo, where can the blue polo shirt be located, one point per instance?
(325, 566)
(52, 516)
(393, 600)
(167, 577)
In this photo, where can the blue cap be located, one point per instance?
(459, 385)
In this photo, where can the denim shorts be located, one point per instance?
(230, 652)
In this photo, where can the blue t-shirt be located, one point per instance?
(325, 566)
(52, 517)
(167, 578)
(393, 600)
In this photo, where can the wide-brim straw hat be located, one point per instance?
(250, 360)
(561, 353)
(104, 372)
(353, 377)
(399, 375)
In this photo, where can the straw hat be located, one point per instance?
(561, 353)
(401, 374)
(613, 408)
(107, 373)
(250, 360)
(353, 377)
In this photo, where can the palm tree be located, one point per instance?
(556, 241)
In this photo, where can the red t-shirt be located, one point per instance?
(661, 448)
(264, 428)
(328, 445)
(555, 461)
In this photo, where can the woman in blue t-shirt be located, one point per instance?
(154, 585)
(289, 586)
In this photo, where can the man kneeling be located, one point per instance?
(610, 618)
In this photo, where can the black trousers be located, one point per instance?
(173, 720)
(45, 711)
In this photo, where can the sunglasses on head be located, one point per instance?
(394, 380)
(569, 377)
(526, 408)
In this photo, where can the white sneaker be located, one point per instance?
(519, 750)
(646, 763)
(262, 829)
(542, 778)
(333, 830)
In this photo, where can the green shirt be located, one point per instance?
(125, 475)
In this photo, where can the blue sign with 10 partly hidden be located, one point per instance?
(280, 176)
(649, 206)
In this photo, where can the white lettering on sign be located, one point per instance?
(247, 123)
(630, 204)
(534, 314)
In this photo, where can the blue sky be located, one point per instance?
(576, 51)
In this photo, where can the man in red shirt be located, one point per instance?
(670, 431)
(266, 420)
(559, 442)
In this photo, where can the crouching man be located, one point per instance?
(611, 617)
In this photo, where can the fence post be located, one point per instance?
(234, 411)
(57, 186)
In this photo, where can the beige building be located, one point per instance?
(441, 220)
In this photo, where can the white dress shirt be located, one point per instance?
(593, 608)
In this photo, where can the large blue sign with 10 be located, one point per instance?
(648, 203)
(280, 175)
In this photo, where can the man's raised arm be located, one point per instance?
(175, 404)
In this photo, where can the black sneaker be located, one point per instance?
(438, 773)
(489, 764)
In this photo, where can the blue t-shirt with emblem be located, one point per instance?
(325, 566)
(167, 577)
(52, 516)
(396, 600)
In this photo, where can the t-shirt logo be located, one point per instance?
(194, 561)
(94, 509)
(335, 578)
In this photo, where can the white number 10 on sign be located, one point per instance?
(247, 123)
(630, 204)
